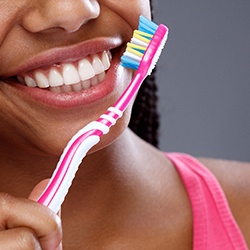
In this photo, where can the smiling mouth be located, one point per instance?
(69, 76)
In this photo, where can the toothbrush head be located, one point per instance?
(145, 47)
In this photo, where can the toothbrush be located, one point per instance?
(141, 54)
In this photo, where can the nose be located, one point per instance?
(68, 15)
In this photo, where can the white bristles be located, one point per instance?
(132, 56)
(139, 42)
(138, 52)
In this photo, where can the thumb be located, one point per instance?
(38, 189)
(35, 194)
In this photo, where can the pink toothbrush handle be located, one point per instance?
(76, 149)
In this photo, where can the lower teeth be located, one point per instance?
(77, 87)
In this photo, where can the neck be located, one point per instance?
(113, 189)
(20, 171)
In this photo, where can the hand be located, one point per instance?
(28, 225)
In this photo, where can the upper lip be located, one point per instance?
(66, 54)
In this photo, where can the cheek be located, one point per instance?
(129, 10)
(145, 8)
(44, 130)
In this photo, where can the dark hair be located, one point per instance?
(145, 118)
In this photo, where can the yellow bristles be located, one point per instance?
(142, 51)
(142, 36)
(135, 52)
(136, 49)
(135, 46)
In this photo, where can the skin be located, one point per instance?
(126, 192)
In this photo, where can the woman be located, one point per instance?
(127, 194)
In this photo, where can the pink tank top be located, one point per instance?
(213, 223)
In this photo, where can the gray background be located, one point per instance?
(204, 77)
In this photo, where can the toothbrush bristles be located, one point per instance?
(139, 44)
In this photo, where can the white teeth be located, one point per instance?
(41, 80)
(94, 81)
(77, 87)
(55, 78)
(101, 76)
(86, 84)
(56, 89)
(70, 74)
(66, 77)
(29, 82)
(20, 79)
(105, 60)
(97, 65)
(85, 69)
(66, 88)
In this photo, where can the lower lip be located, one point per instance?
(73, 99)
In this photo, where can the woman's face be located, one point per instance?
(59, 67)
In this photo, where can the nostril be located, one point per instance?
(77, 17)
(60, 14)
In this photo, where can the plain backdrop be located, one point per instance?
(204, 78)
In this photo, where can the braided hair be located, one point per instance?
(145, 118)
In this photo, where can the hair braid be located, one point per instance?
(145, 119)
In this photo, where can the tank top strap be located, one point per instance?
(214, 227)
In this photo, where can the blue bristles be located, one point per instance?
(147, 26)
(127, 62)
(139, 43)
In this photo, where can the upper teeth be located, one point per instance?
(81, 74)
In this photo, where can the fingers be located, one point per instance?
(25, 222)
(19, 238)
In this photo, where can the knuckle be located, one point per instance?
(51, 224)
(6, 201)
(56, 225)
(27, 240)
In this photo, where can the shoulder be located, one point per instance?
(234, 178)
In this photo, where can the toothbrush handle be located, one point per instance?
(60, 182)
(76, 149)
